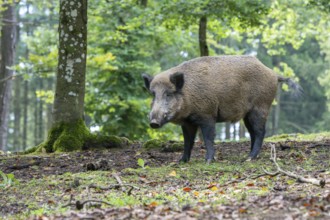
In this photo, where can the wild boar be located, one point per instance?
(206, 90)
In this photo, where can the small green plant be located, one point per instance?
(7, 180)
(141, 163)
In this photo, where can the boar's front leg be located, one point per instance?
(208, 131)
(189, 133)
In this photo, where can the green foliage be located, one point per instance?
(7, 180)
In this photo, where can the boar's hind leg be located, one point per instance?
(255, 123)
(189, 134)
(208, 131)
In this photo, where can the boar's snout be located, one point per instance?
(154, 123)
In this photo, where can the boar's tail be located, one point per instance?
(297, 90)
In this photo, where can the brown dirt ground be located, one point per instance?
(284, 206)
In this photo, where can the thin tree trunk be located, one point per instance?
(49, 106)
(144, 3)
(276, 113)
(204, 50)
(241, 130)
(36, 118)
(8, 42)
(40, 115)
(17, 115)
(25, 114)
(227, 131)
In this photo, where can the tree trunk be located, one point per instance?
(17, 115)
(202, 36)
(144, 3)
(241, 130)
(276, 112)
(40, 108)
(25, 113)
(69, 131)
(8, 41)
(227, 131)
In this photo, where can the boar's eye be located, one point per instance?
(169, 94)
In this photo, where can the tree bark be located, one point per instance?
(8, 43)
(69, 131)
(70, 86)
(204, 50)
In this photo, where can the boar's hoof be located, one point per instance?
(209, 161)
(184, 160)
(251, 158)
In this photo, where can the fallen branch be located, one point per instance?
(23, 166)
(114, 186)
(290, 174)
(80, 205)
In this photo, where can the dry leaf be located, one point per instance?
(187, 189)
(172, 173)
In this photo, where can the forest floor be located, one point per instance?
(135, 183)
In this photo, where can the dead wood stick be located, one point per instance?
(114, 186)
(23, 166)
(116, 176)
(291, 174)
(79, 205)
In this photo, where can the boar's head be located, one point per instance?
(167, 97)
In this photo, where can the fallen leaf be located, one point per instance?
(172, 173)
(196, 193)
(211, 185)
(242, 210)
(250, 184)
(187, 189)
(214, 188)
(153, 204)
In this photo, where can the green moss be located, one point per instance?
(299, 137)
(153, 144)
(173, 146)
(101, 141)
(66, 137)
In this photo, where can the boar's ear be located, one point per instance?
(147, 79)
(178, 80)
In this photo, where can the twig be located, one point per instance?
(290, 174)
(114, 186)
(246, 177)
(116, 176)
(79, 205)
(318, 145)
(23, 166)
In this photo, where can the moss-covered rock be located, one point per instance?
(101, 141)
(173, 146)
(153, 144)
